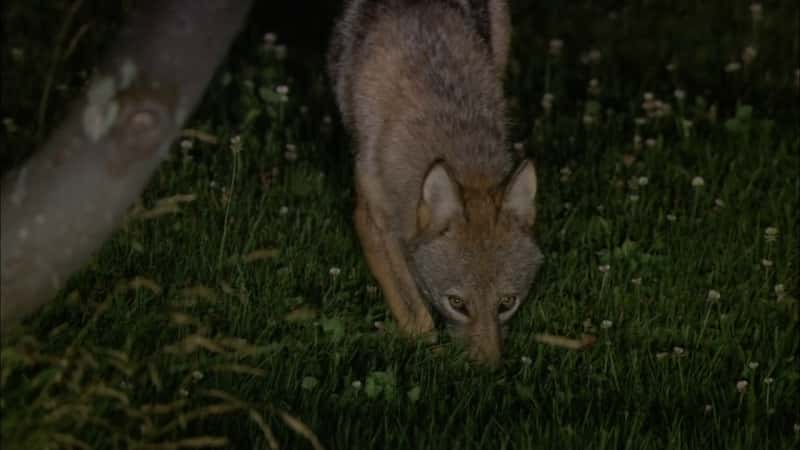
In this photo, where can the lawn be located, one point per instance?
(233, 308)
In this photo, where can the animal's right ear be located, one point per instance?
(441, 200)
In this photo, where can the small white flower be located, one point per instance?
(606, 324)
(769, 380)
(678, 351)
(526, 360)
(719, 202)
(741, 386)
(753, 365)
(698, 182)
(604, 268)
(547, 101)
(779, 290)
(713, 295)
(680, 94)
(797, 428)
(648, 96)
(633, 198)
(197, 375)
(270, 38)
(282, 89)
(643, 181)
(187, 144)
(183, 392)
(756, 11)
(284, 210)
(766, 262)
(708, 408)
(335, 271)
(733, 66)
(749, 54)
(556, 45)
(588, 120)
(650, 142)
(636, 281)
(771, 234)
(672, 217)
(291, 152)
(356, 384)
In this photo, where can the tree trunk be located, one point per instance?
(58, 207)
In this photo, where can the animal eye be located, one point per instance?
(508, 302)
(456, 303)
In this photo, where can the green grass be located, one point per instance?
(176, 330)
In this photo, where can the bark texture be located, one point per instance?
(58, 207)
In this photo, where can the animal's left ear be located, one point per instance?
(520, 194)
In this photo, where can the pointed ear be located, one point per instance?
(441, 199)
(521, 193)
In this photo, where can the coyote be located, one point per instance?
(444, 217)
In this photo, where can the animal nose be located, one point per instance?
(487, 345)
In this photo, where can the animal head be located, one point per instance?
(475, 257)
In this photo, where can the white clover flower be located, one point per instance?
(335, 271)
(547, 101)
(270, 38)
(779, 290)
(766, 262)
(588, 120)
(741, 386)
(719, 202)
(636, 281)
(526, 360)
(678, 351)
(291, 152)
(187, 144)
(284, 210)
(555, 47)
(633, 198)
(769, 380)
(753, 365)
(606, 324)
(236, 144)
(698, 182)
(356, 384)
(756, 11)
(648, 96)
(197, 375)
(771, 234)
(282, 89)
(604, 268)
(733, 66)
(680, 94)
(749, 54)
(643, 181)
(713, 295)
(708, 408)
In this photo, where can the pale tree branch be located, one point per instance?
(58, 207)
